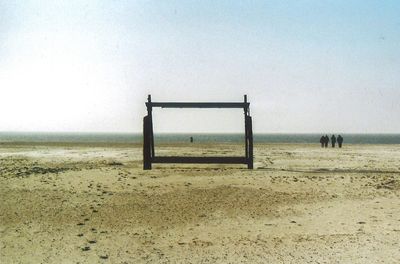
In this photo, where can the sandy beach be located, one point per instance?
(93, 203)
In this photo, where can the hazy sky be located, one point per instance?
(307, 66)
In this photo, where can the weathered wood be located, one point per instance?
(149, 156)
(197, 105)
(146, 144)
(216, 160)
(151, 133)
(250, 144)
(246, 136)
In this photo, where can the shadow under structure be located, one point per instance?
(149, 156)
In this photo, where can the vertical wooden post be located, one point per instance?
(146, 144)
(245, 129)
(151, 133)
(250, 137)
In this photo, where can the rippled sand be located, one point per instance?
(301, 204)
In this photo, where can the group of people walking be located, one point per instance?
(325, 141)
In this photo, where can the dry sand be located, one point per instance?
(301, 204)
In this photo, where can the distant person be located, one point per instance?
(326, 141)
(322, 141)
(333, 141)
(340, 141)
(191, 139)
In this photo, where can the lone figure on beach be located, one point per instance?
(326, 142)
(322, 141)
(191, 139)
(333, 140)
(340, 141)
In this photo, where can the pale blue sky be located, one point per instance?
(307, 66)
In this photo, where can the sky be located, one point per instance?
(306, 66)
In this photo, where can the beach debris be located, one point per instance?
(115, 163)
(104, 256)
(387, 185)
(87, 248)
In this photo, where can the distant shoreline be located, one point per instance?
(6, 145)
(167, 138)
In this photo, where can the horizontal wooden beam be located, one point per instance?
(197, 105)
(216, 160)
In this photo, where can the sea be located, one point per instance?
(7, 137)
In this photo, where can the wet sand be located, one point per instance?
(88, 203)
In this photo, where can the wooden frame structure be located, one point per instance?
(149, 156)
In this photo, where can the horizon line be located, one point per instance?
(158, 133)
